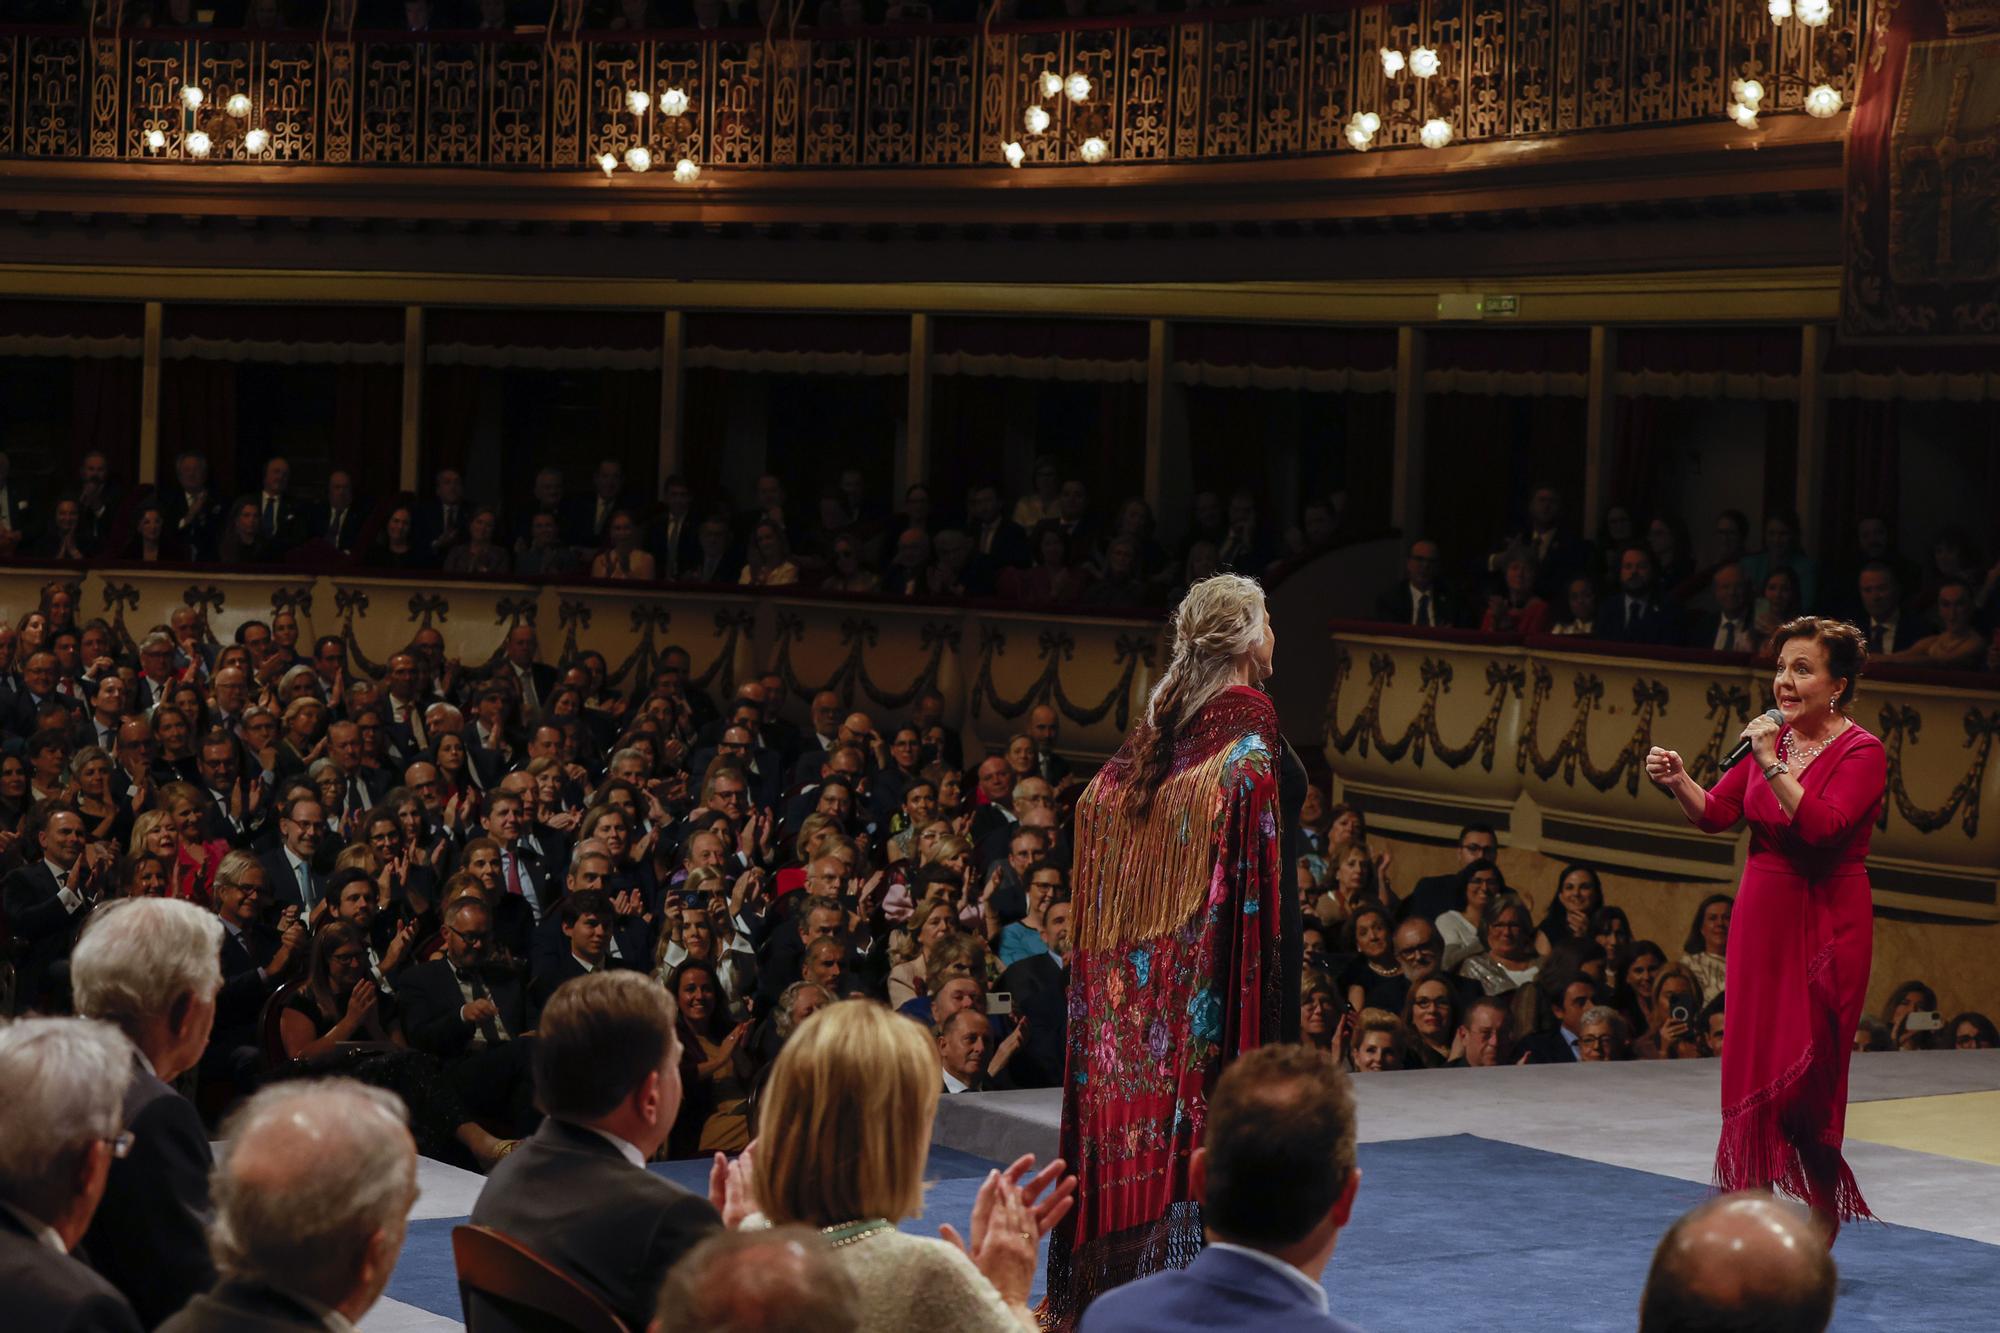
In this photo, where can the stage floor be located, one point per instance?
(1549, 1184)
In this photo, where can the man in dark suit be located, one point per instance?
(1560, 553)
(1275, 1178)
(48, 899)
(193, 513)
(440, 521)
(61, 1119)
(338, 522)
(577, 1193)
(1001, 541)
(283, 521)
(1434, 895)
(587, 517)
(1039, 984)
(313, 1197)
(1636, 614)
(472, 1013)
(1730, 627)
(535, 680)
(1420, 599)
(1569, 998)
(674, 537)
(760, 766)
(289, 873)
(149, 1238)
(256, 958)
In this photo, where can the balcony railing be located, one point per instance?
(1279, 81)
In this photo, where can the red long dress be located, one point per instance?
(1800, 945)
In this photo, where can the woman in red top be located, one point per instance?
(1802, 936)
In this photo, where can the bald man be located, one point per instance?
(1741, 1261)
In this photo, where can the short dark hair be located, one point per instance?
(587, 902)
(244, 629)
(780, 1277)
(342, 878)
(1280, 1143)
(1845, 646)
(600, 1036)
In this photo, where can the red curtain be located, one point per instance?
(106, 416)
(451, 410)
(1863, 462)
(1639, 452)
(198, 412)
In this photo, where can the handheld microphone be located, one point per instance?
(1735, 756)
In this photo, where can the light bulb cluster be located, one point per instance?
(1362, 128)
(1749, 95)
(1823, 101)
(1812, 13)
(1422, 61)
(204, 130)
(1037, 119)
(672, 104)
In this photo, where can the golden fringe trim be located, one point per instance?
(1138, 879)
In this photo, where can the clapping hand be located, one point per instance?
(729, 1186)
(1004, 1239)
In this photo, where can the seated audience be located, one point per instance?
(1485, 1035)
(716, 1065)
(1957, 645)
(1603, 1034)
(1671, 1031)
(1276, 1180)
(300, 1245)
(1509, 960)
(775, 1280)
(607, 1076)
(1578, 895)
(1431, 1017)
(846, 1123)
(1746, 1261)
(1973, 1032)
(62, 1126)
(1379, 1042)
(149, 967)
(1708, 943)
(1321, 1013)
(1515, 608)
(1480, 883)
(1568, 1002)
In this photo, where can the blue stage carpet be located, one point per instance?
(1447, 1227)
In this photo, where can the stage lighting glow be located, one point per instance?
(1077, 88)
(687, 171)
(608, 164)
(674, 102)
(198, 144)
(1092, 149)
(1036, 119)
(256, 141)
(638, 159)
(637, 101)
(1014, 153)
(237, 106)
(156, 139)
(191, 97)
(1436, 132)
(1423, 62)
(1746, 116)
(1052, 83)
(1392, 61)
(1823, 101)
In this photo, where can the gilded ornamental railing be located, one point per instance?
(1271, 81)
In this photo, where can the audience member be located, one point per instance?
(312, 1199)
(1420, 599)
(61, 1129)
(149, 967)
(777, 1280)
(1740, 1261)
(607, 1068)
(1276, 1180)
(846, 1121)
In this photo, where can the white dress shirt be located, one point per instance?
(629, 1151)
(70, 899)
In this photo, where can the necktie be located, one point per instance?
(1876, 631)
(530, 702)
(304, 872)
(356, 800)
(270, 514)
(333, 526)
(416, 724)
(1631, 612)
(1424, 609)
(1728, 635)
(489, 1028)
(514, 875)
(597, 524)
(451, 518)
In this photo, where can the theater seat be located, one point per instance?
(520, 1291)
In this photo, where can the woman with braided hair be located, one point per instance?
(1186, 941)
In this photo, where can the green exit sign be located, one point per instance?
(1499, 306)
(1474, 305)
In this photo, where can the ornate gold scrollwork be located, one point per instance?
(1056, 646)
(118, 599)
(1900, 722)
(1572, 755)
(297, 600)
(857, 636)
(1729, 708)
(1422, 731)
(424, 609)
(731, 623)
(349, 604)
(649, 620)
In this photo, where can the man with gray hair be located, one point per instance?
(150, 967)
(312, 1197)
(780, 1280)
(1741, 1261)
(59, 1133)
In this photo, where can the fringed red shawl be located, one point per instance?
(1175, 973)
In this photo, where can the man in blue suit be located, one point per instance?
(1275, 1177)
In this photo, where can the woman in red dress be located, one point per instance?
(1802, 937)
